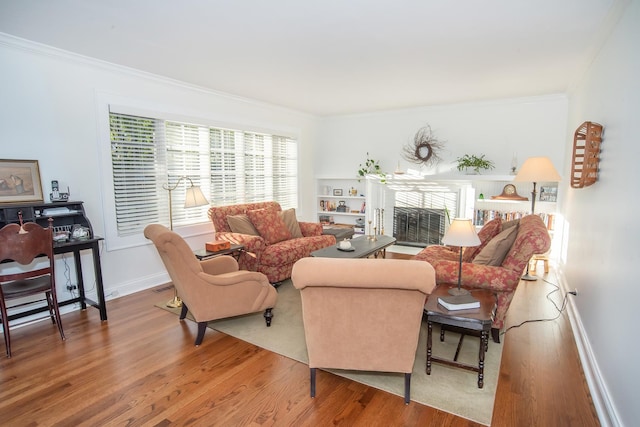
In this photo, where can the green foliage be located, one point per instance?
(474, 162)
(371, 167)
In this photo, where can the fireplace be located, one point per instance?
(418, 226)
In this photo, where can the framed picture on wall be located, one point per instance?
(20, 181)
(337, 191)
(549, 194)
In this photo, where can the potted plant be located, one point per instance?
(474, 163)
(371, 167)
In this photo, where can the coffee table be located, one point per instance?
(363, 247)
(477, 320)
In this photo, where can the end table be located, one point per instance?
(234, 250)
(472, 321)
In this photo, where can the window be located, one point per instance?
(150, 155)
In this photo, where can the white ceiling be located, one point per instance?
(330, 57)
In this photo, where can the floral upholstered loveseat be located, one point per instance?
(497, 264)
(273, 239)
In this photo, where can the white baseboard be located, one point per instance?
(112, 292)
(599, 393)
(137, 285)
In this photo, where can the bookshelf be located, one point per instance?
(341, 202)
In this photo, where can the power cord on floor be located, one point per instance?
(559, 309)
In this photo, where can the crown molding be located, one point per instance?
(35, 48)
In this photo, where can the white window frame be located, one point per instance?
(126, 105)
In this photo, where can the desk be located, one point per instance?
(65, 216)
(76, 246)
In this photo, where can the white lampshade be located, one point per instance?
(193, 197)
(461, 233)
(537, 169)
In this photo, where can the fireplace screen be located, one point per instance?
(418, 226)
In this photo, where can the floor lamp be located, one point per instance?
(461, 233)
(536, 169)
(193, 197)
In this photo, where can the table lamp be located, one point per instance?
(536, 169)
(461, 233)
(193, 198)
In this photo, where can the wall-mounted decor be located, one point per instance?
(586, 154)
(424, 148)
(20, 181)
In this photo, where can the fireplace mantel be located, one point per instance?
(415, 179)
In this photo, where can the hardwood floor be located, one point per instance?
(141, 368)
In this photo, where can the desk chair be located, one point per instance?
(23, 244)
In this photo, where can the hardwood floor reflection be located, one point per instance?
(141, 368)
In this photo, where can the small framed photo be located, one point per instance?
(337, 191)
(549, 194)
(20, 181)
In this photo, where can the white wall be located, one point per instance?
(528, 127)
(50, 111)
(603, 255)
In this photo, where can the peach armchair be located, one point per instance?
(362, 314)
(214, 288)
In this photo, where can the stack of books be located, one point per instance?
(459, 302)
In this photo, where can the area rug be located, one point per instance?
(449, 389)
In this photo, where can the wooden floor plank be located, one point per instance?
(141, 368)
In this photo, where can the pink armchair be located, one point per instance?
(211, 289)
(532, 238)
(275, 260)
(362, 314)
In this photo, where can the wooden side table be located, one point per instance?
(472, 321)
(234, 250)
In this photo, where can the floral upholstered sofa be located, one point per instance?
(497, 264)
(273, 239)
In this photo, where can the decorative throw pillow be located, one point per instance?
(488, 232)
(290, 220)
(507, 224)
(497, 248)
(270, 225)
(241, 224)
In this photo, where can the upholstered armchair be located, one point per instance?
(362, 314)
(529, 237)
(214, 288)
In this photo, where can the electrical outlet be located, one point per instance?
(71, 287)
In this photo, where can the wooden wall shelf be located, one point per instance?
(586, 154)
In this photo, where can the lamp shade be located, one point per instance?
(461, 233)
(193, 197)
(537, 169)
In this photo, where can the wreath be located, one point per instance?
(424, 148)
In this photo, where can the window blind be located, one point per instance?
(150, 155)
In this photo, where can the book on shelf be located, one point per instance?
(326, 219)
(458, 302)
